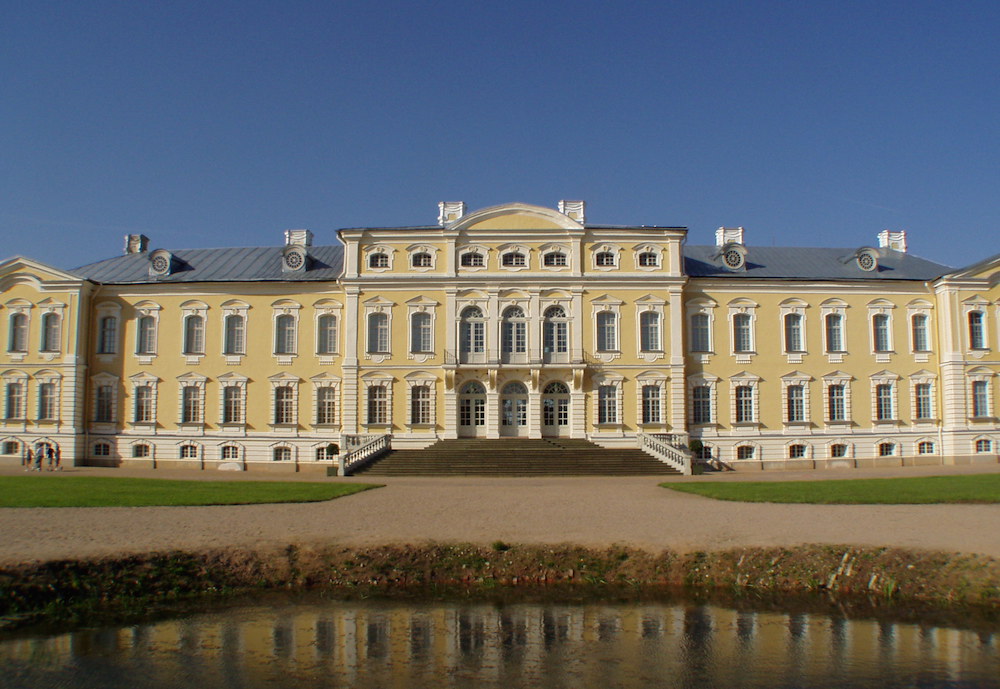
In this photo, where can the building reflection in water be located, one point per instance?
(390, 644)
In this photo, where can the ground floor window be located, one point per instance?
(925, 448)
(140, 450)
(745, 452)
(838, 450)
(102, 450)
(282, 454)
(230, 452)
(984, 446)
(189, 451)
(886, 449)
(796, 451)
(11, 447)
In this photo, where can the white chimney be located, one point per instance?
(450, 211)
(727, 235)
(892, 239)
(575, 210)
(298, 238)
(136, 243)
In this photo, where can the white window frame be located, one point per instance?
(420, 380)
(414, 250)
(506, 250)
(892, 380)
(787, 382)
(611, 306)
(712, 383)
(147, 309)
(753, 382)
(17, 416)
(378, 305)
(198, 383)
(983, 377)
(482, 251)
(656, 250)
(749, 309)
(239, 383)
(326, 384)
(239, 309)
(547, 250)
(54, 379)
(140, 380)
(788, 309)
(285, 307)
(834, 307)
(425, 307)
(328, 308)
(918, 379)
(48, 349)
(881, 307)
(194, 309)
(282, 380)
(369, 384)
(102, 311)
(913, 311)
(608, 413)
(96, 382)
(599, 249)
(706, 308)
(829, 381)
(661, 381)
(369, 251)
(657, 306)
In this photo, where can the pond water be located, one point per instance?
(309, 641)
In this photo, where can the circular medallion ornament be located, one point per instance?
(294, 260)
(161, 265)
(866, 261)
(733, 259)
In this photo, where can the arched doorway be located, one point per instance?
(472, 410)
(514, 409)
(555, 409)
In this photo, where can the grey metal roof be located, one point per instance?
(807, 263)
(236, 264)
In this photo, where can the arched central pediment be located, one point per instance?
(515, 216)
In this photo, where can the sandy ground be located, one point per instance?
(585, 511)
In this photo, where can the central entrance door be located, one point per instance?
(514, 410)
(555, 409)
(472, 410)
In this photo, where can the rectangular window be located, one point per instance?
(880, 333)
(793, 333)
(378, 333)
(980, 398)
(421, 333)
(378, 405)
(836, 403)
(47, 402)
(232, 404)
(796, 404)
(235, 335)
(607, 404)
(921, 341)
(744, 404)
(104, 408)
(191, 404)
(883, 402)
(143, 404)
(649, 331)
(326, 406)
(107, 342)
(701, 405)
(651, 404)
(924, 406)
(607, 332)
(145, 336)
(420, 405)
(834, 332)
(700, 334)
(742, 333)
(15, 401)
(284, 405)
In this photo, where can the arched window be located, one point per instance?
(194, 335)
(555, 331)
(604, 259)
(473, 387)
(977, 333)
(421, 333)
(284, 405)
(984, 446)
(880, 333)
(378, 260)
(514, 331)
(921, 340)
(326, 334)
(235, 342)
(701, 340)
(793, 333)
(146, 335)
(886, 449)
(607, 331)
(472, 331)
(420, 404)
(378, 333)
(649, 259)
(834, 332)
(556, 387)
(649, 331)
(50, 332)
(230, 452)
(554, 259)
(472, 259)
(284, 334)
(472, 404)
(742, 333)
(513, 259)
(421, 260)
(18, 341)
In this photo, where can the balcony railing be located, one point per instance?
(495, 357)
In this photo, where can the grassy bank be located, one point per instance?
(978, 488)
(57, 490)
(75, 591)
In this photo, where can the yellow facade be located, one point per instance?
(514, 320)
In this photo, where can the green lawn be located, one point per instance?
(96, 491)
(975, 488)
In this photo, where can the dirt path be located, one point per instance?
(585, 511)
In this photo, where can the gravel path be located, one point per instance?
(585, 511)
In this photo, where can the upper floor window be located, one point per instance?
(378, 333)
(796, 404)
(284, 334)
(514, 331)
(555, 331)
(651, 406)
(232, 404)
(649, 331)
(923, 402)
(473, 259)
(649, 259)
(191, 404)
(145, 342)
(604, 259)
(104, 407)
(107, 338)
(194, 335)
(50, 332)
(513, 259)
(143, 410)
(883, 402)
(977, 333)
(421, 333)
(834, 332)
(284, 404)
(15, 401)
(420, 405)
(794, 341)
(326, 406)
(378, 260)
(607, 332)
(836, 398)
(472, 330)
(880, 333)
(235, 335)
(742, 333)
(744, 404)
(701, 340)
(921, 340)
(326, 334)
(980, 398)
(421, 260)
(607, 404)
(18, 341)
(48, 401)
(701, 404)
(554, 259)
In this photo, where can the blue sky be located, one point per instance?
(225, 123)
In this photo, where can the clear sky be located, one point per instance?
(223, 123)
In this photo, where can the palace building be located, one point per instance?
(514, 320)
